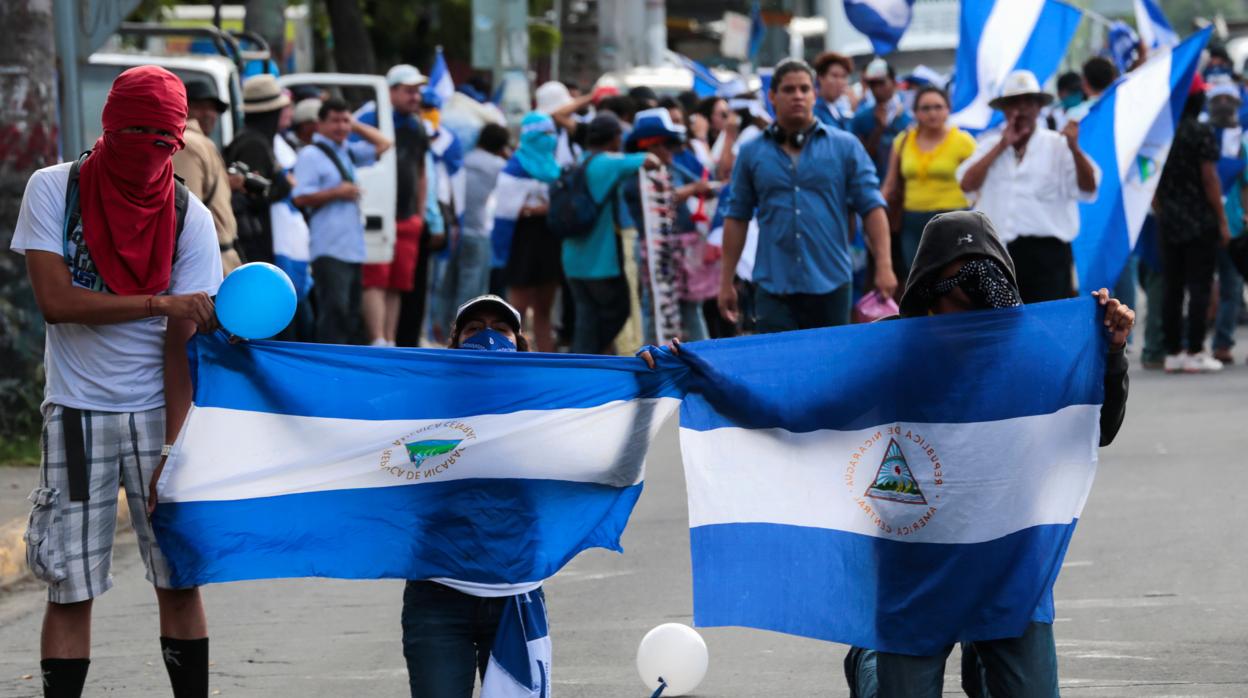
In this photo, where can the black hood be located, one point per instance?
(946, 238)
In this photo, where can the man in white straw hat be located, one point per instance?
(1029, 181)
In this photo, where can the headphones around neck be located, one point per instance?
(797, 139)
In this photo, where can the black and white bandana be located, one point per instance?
(984, 282)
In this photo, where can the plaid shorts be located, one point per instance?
(69, 544)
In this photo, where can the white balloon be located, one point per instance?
(675, 653)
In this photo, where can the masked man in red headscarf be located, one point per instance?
(123, 262)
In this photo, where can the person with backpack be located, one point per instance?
(523, 245)
(123, 262)
(326, 190)
(583, 212)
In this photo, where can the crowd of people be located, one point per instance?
(842, 177)
(791, 205)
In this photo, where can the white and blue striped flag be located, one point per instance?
(519, 665)
(1000, 36)
(489, 468)
(882, 21)
(440, 79)
(513, 188)
(1154, 28)
(704, 81)
(901, 503)
(1128, 133)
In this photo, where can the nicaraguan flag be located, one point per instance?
(513, 187)
(1124, 44)
(1153, 26)
(302, 460)
(440, 78)
(704, 81)
(915, 486)
(1000, 36)
(1128, 133)
(882, 21)
(519, 664)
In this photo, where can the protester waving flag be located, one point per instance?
(882, 21)
(901, 504)
(1128, 134)
(440, 78)
(1155, 29)
(997, 37)
(321, 460)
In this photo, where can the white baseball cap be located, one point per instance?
(404, 74)
(877, 69)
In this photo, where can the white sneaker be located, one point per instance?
(1174, 363)
(380, 342)
(1200, 363)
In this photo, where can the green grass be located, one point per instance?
(19, 451)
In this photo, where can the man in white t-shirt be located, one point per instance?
(123, 276)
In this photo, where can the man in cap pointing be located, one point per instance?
(1029, 181)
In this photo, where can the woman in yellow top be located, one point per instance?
(922, 173)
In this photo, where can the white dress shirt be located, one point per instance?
(1037, 196)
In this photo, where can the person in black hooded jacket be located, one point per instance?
(961, 265)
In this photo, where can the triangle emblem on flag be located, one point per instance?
(894, 481)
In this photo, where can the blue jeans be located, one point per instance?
(447, 638)
(1230, 298)
(1022, 667)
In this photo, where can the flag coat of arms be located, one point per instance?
(898, 486)
(301, 460)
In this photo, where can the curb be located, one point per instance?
(13, 567)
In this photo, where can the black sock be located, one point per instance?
(63, 678)
(187, 664)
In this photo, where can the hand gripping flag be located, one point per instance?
(882, 21)
(1000, 36)
(914, 486)
(301, 460)
(1128, 133)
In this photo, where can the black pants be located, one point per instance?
(602, 308)
(337, 288)
(412, 303)
(1045, 268)
(801, 311)
(1187, 267)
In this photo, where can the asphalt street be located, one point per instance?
(1152, 600)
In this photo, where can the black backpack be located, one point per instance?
(573, 211)
(81, 268)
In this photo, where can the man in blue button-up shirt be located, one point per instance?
(327, 188)
(804, 178)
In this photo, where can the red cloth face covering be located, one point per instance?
(125, 187)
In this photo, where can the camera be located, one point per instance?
(253, 184)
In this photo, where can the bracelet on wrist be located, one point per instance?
(166, 450)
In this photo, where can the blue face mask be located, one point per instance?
(488, 340)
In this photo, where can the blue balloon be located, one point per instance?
(256, 301)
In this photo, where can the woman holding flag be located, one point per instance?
(523, 247)
(453, 630)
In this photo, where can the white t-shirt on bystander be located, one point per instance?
(110, 368)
